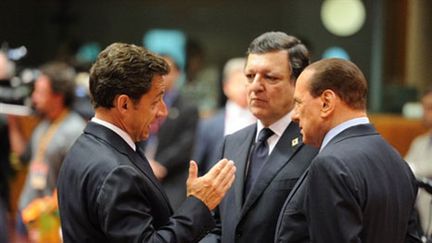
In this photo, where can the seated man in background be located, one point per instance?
(419, 157)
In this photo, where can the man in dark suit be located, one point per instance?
(234, 116)
(106, 188)
(250, 209)
(358, 188)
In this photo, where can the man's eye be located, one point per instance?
(271, 79)
(250, 77)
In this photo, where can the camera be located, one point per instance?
(15, 93)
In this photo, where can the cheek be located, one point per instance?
(248, 95)
(306, 119)
(285, 95)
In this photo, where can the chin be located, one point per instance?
(258, 112)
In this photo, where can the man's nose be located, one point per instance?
(163, 110)
(256, 82)
(294, 115)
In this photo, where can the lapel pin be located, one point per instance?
(294, 142)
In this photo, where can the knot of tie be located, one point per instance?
(264, 134)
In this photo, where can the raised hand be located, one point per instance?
(211, 187)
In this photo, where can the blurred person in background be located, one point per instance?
(52, 98)
(201, 85)
(169, 147)
(419, 157)
(233, 117)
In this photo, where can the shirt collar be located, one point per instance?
(278, 127)
(341, 127)
(117, 130)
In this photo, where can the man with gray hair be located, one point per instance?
(270, 155)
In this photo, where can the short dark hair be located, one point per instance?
(62, 80)
(123, 69)
(298, 54)
(341, 76)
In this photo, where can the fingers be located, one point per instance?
(216, 169)
(193, 170)
(227, 175)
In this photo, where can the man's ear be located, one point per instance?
(328, 99)
(122, 103)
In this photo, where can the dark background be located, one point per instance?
(55, 28)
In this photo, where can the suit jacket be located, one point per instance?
(176, 138)
(358, 189)
(108, 193)
(209, 138)
(254, 219)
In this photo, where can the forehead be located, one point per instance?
(268, 62)
(303, 80)
(43, 82)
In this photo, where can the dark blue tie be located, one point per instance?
(258, 156)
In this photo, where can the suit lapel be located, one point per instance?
(117, 143)
(297, 186)
(143, 164)
(286, 147)
(241, 159)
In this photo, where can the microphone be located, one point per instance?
(424, 183)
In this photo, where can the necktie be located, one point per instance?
(258, 156)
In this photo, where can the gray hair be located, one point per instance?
(233, 65)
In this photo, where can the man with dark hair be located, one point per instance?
(269, 155)
(107, 190)
(358, 188)
(52, 99)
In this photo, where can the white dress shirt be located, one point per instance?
(341, 127)
(117, 130)
(278, 128)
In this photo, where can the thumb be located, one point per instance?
(193, 170)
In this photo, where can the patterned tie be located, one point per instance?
(258, 156)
